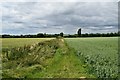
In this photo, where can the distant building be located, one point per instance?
(79, 32)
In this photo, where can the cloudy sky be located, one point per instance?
(56, 17)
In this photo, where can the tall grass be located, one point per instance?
(30, 55)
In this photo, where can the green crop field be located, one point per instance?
(19, 42)
(100, 54)
(60, 58)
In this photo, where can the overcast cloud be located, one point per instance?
(67, 17)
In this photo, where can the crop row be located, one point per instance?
(99, 65)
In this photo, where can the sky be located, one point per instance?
(54, 17)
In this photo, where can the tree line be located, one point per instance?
(41, 35)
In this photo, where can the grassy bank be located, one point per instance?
(48, 59)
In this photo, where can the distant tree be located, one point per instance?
(79, 32)
(61, 34)
(6, 36)
(45, 34)
(21, 35)
(0, 36)
(118, 32)
(86, 34)
(39, 35)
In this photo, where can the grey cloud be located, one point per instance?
(60, 17)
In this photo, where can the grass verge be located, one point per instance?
(48, 59)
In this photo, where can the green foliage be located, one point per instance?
(100, 55)
(72, 58)
(28, 55)
(61, 34)
(48, 59)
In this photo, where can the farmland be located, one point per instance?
(19, 42)
(100, 54)
(60, 58)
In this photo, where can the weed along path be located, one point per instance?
(64, 64)
(48, 59)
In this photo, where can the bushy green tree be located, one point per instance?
(61, 34)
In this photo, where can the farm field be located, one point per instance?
(20, 42)
(103, 46)
(100, 54)
(61, 58)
